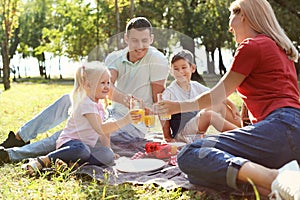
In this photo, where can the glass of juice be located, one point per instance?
(149, 118)
(137, 108)
(160, 97)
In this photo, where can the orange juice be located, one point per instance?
(139, 112)
(160, 98)
(149, 120)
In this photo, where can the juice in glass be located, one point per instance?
(137, 108)
(160, 98)
(139, 112)
(149, 120)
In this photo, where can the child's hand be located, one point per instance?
(169, 139)
(135, 116)
(116, 156)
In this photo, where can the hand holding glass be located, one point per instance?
(137, 108)
(160, 98)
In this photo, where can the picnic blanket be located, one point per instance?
(169, 177)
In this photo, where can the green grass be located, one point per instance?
(21, 103)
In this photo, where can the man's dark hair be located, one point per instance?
(140, 23)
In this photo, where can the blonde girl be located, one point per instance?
(86, 138)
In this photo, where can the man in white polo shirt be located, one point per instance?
(139, 70)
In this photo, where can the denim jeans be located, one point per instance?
(33, 150)
(214, 161)
(75, 150)
(51, 117)
(45, 120)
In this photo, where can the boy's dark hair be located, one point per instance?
(140, 23)
(184, 54)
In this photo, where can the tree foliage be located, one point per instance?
(9, 23)
(73, 28)
(32, 23)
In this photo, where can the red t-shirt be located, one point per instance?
(271, 80)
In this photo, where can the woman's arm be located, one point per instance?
(226, 86)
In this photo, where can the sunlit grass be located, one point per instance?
(25, 100)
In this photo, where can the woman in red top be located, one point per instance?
(264, 75)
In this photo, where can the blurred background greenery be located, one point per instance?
(48, 29)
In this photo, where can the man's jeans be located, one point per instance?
(47, 119)
(52, 116)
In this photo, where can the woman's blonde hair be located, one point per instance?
(263, 20)
(88, 74)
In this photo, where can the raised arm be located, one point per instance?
(226, 86)
(105, 129)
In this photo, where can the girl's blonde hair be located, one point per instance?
(88, 74)
(263, 20)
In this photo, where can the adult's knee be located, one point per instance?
(192, 158)
(184, 159)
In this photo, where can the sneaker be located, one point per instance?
(12, 141)
(292, 166)
(4, 158)
(286, 186)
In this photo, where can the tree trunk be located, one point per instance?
(59, 67)
(117, 23)
(210, 62)
(222, 67)
(6, 62)
(131, 8)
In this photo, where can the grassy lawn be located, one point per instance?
(21, 103)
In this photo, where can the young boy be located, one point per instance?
(184, 125)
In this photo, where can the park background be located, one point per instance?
(49, 38)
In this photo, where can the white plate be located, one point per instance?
(177, 144)
(139, 165)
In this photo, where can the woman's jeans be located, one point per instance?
(214, 161)
(77, 151)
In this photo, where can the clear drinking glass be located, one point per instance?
(160, 98)
(137, 108)
(149, 118)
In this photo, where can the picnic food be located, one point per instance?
(158, 150)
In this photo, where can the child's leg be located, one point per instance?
(101, 156)
(72, 151)
(227, 114)
(209, 117)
